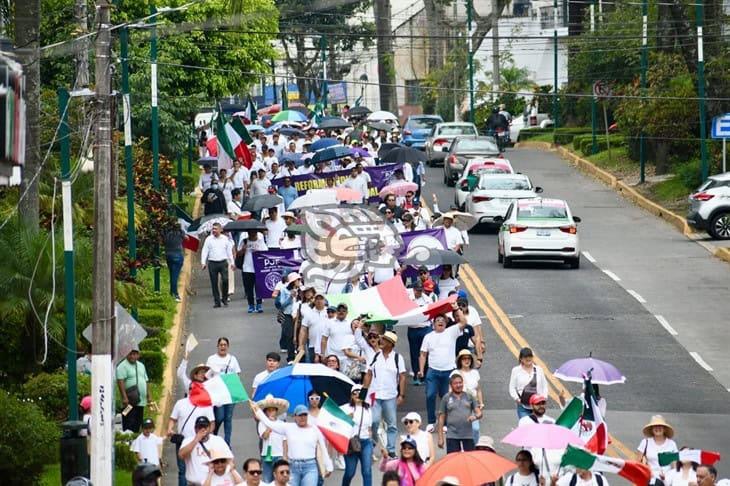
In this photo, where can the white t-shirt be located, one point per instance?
(260, 377)
(260, 187)
(253, 245)
(518, 479)
(359, 414)
(301, 442)
(225, 480)
(566, 478)
(446, 285)
(358, 184)
(651, 450)
(674, 478)
(337, 333)
(233, 208)
(275, 440)
(441, 348)
(195, 470)
(386, 375)
(275, 231)
(471, 381)
(422, 443)
(241, 177)
(290, 244)
(473, 318)
(184, 408)
(315, 321)
(223, 364)
(147, 448)
(453, 237)
(381, 273)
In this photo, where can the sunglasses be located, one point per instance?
(220, 461)
(409, 422)
(374, 336)
(255, 472)
(314, 399)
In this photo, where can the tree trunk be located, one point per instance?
(665, 31)
(662, 157)
(27, 32)
(81, 48)
(386, 66)
(436, 46)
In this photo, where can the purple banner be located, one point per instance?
(269, 265)
(429, 238)
(380, 176)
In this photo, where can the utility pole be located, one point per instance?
(699, 16)
(469, 14)
(556, 107)
(81, 47)
(323, 46)
(102, 367)
(644, 67)
(273, 77)
(155, 134)
(495, 48)
(592, 9)
(386, 58)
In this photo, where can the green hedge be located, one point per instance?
(49, 391)
(154, 318)
(154, 361)
(564, 136)
(586, 143)
(124, 458)
(527, 134)
(150, 344)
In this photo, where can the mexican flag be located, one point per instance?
(389, 303)
(585, 419)
(336, 425)
(219, 390)
(232, 142)
(707, 458)
(633, 471)
(250, 110)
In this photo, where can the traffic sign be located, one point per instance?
(721, 126)
(601, 89)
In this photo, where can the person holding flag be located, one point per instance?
(360, 413)
(657, 439)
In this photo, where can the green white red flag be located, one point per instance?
(698, 456)
(219, 390)
(232, 141)
(336, 425)
(633, 471)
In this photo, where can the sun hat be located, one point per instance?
(197, 368)
(449, 481)
(293, 277)
(658, 420)
(355, 387)
(464, 352)
(269, 401)
(455, 374)
(391, 336)
(86, 403)
(288, 214)
(301, 410)
(536, 398)
(412, 416)
(216, 454)
(485, 441)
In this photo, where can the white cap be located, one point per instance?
(412, 416)
(292, 277)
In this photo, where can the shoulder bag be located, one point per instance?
(355, 446)
(529, 390)
(177, 439)
(133, 391)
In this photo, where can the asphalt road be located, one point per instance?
(561, 314)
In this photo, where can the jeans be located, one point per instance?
(365, 456)
(437, 382)
(475, 430)
(249, 286)
(522, 411)
(286, 341)
(216, 269)
(457, 445)
(133, 420)
(304, 472)
(415, 339)
(224, 417)
(174, 265)
(268, 469)
(181, 481)
(386, 410)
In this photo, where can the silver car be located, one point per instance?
(441, 137)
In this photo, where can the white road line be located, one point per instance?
(700, 361)
(612, 275)
(636, 296)
(515, 316)
(665, 324)
(589, 257)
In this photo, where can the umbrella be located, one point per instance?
(276, 108)
(359, 111)
(324, 143)
(546, 436)
(324, 197)
(462, 221)
(212, 161)
(331, 153)
(399, 189)
(292, 383)
(382, 116)
(381, 126)
(362, 151)
(245, 225)
(433, 256)
(289, 115)
(475, 467)
(333, 124)
(264, 201)
(291, 157)
(387, 147)
(254, 128)
(403, 154)
(205, 224)
(297, 229)
(300, 108)
(289, 131)
(601, 373)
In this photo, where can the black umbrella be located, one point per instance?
(403, 154)
(264, 201)
(289, 131)
(334, 124)
(359, 111)
(387, 147)
(245, 225)
(431, 256)
(211, 161)
(381, 126)
(331, 153)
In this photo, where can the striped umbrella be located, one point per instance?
(289, 115)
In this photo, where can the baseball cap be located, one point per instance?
(428, 285)
(331, 308)
(536, 398)
(461, 294)
(300, 410)
(408, 440)
(342, 306)
(418, 285)
(202, 422)
(422, 268)
(148, 423)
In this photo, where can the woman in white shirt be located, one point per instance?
(465, 367)
(222, 471)
(447, 282)
(527, 473)
(424, 441)
(223, 362)
(657, 438)
(360, 414)
(682, 475)
(273, 444)
(527, 379)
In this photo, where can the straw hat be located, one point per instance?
(197, 368)
(658, 420)
(279, 404)
(485, 441)
(449, 481)
(216, 454)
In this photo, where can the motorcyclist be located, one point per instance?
(506, 114)
(496, 123)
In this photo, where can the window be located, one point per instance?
(413, 91)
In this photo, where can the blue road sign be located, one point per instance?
(721, 126)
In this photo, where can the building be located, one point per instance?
(12, 118)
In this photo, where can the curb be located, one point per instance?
(173, 347)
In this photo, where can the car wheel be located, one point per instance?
(500, 258)
(719, 227)
(573, 262)
(506, 262)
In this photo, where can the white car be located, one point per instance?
(539, 229)
(475, 168)
(494, 193)
(709, 207)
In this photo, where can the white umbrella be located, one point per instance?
(324, 197)
(462, 221)
(382, 116)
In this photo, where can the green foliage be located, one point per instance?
(673, 189)
(584, 143)
(52, 476)
(150, 344)
(564, 136)
(689, 173)
(124, 458)
(154, 361)
(153, 317)
(29, 441)
(49, 391)
(444, 88)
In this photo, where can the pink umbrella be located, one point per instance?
(324, 197)
(546, 436)
(399, 189)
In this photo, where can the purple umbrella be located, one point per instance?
(602, 373)
(362, 151)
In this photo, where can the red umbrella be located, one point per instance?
(470, 468)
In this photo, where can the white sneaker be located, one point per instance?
(340, 463)
(430, 428)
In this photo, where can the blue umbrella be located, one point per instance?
(332, 153)
(324, 143)
(293, 383)
(289, 131)
(254, 128)
(291, 157)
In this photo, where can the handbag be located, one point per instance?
(530, 389)
(133, 391)
(354, 446)
(177, 439)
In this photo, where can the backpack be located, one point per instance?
(397, 366)
(574, 479)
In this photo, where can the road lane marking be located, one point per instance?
(700, 361)
(636, 296)
(613, 276)
(589, 257)
(665, 324)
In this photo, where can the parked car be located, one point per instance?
(442, 135)
(494, 193)
(472, 173)
(417, 128)
(710, 207)
(464, 149)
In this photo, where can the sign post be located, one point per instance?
(721, 129)
(603, 90)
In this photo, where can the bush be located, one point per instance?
(30, 441)
(49, 391)
(124, 458)
(153, 317)
(532, 133)
(154, 361)
(564, 136)
(150, 344)
(690, 173)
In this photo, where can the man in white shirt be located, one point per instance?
(206, 178)
(254, 241)
(147, 445)
(196, 451)
(260, 185)
(234, 205)
(356, 183)
(240, 175)
(276, 145)
(275, 227)
(454, 238)
(417, 333)
(336, 333)
(217, 256)
(538, 416)
(273, 360)
(182, 419)
(438, 350)
(386, 380)
(314, 320)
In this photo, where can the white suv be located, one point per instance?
(710, 207)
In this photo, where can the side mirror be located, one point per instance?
(498, 219)
(576, 219)
(444, 149)
(538, 190)
(464, 185)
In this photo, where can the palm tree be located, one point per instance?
(514, 79)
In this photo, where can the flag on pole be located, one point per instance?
(318, 112)
(707, 458)
(593, 428)
(571, 414)
(250, 110)
(284, 98)
(232, 141)
(358, 100)
(219, 390)
(336, 425)
(633, 471)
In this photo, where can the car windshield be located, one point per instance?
(476, 147)
(504, 184)
(457, 130)
(543, 212)
(419, 123)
